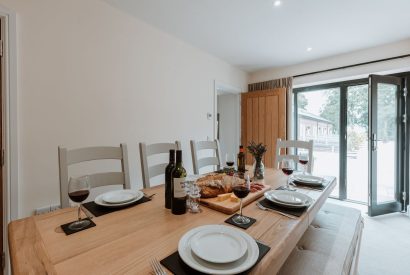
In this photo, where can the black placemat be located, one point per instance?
(243, 226)
(176, 265)
(297, 212)
(68, 231)
(98, 210)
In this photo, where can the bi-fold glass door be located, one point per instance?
(359, 137)
(335, 117)
(386, 144)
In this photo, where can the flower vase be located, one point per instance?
(258, 169)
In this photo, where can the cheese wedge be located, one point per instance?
(223, 197)
(234, 198)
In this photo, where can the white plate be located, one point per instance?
(119, 196)
(308, 179)
(99, 200)
(243, 264)
(287, 197)
(218, 245)
(306, 200)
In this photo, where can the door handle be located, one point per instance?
(374, 142)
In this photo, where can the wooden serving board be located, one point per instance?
(230, 207)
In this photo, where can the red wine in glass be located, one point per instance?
(241, 191)
(303, 161)
(287, 166)
(79, 196)
(230, 160)
(78, 191)
(287, 171)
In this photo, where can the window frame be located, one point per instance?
(343, 86)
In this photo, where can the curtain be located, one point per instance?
(286, 82)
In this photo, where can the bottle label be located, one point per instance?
(179, 190)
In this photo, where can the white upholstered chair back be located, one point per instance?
(74, 156)
(197, 146)
(286, 144)
(146, 151)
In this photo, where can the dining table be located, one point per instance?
(125, 241)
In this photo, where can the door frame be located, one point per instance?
(9, 117)
(343, 85)
(223, 88)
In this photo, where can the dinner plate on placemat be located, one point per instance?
(118, 195)
(219, 245)
(272, 196)
(308, 180)
(192, 260)
(287, 197)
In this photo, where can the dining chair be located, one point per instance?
(147, 151)
(197, 146)
(74, 156)
(285, 144)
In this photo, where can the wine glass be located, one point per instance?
(230, 160)
(241, 189)
(303, 160)
(78, 191)
(287, 166)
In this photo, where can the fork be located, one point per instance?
(156, 266)
(275, 211)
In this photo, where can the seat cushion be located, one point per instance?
(328, 245)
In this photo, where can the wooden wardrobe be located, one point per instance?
(263, 119)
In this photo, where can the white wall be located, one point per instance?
(228, 109)
(381, 52)
(89, 74)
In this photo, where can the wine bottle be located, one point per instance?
(178, 205)
(241, 160)
(168, 179)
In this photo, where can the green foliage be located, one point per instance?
(355, 139)
(256, 150)
(331, 109)
(357, 106)
(302, 101)
(386, 112)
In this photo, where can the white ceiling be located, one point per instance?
(253, 34)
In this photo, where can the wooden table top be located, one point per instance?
(123, 242)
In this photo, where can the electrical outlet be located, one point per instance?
(46, 209)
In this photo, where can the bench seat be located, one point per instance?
(330, 245)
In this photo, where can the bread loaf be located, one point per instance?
(214, 184)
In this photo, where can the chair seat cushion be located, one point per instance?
(328, 245)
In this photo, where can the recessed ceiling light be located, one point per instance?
(309, 49)
(277, 3)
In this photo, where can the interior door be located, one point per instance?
(384, 146)
(263, 120)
